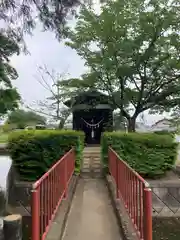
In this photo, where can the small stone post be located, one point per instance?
(1, 229)
(13, 227)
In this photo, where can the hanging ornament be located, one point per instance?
(92, 133)
(92, 126)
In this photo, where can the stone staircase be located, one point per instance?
(91, 166)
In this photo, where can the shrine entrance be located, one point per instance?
(93, 114)
(93, 130)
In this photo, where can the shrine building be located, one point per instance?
(92, 113)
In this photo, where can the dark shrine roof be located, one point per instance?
(84, 98)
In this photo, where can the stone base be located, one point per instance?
(177, 170)
(165, 198)
(18, 194)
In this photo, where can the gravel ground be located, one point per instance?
(166, 228)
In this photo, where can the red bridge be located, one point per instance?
(91, 215)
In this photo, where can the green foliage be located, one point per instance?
(3, 137)
(119, 122)
(53, 14)
(132, 52)
(9, 97)
(175, 117)
(151, 155)
(7, 128)
(22, 118)
(33, 152)
(165, 132)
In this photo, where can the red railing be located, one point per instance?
(48, 192)
(135, 193)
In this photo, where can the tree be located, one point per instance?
(21, 118)
(175, 118)
(53, 106)
(132, 50)
(53, 14)
(119, 122)
(9, 97)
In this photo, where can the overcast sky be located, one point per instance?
(45, 49)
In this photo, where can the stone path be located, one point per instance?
(91, 216)
(91, 166)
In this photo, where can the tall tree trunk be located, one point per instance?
(61, 124)
(132, 124)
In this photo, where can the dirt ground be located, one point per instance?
(166, 228)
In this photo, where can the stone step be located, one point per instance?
(91, 175)
(85, 170)
(91, 168)
(90, 157)
(92, 152)
(87, 161)
(92, 149)
(86, 165)
(91, 165)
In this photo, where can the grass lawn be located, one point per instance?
(3, 137)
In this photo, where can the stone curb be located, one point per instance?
(58, 225)
(126, 228)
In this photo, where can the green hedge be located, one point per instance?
(150, 154)
(35, 151)
(164, 132)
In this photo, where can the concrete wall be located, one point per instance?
(18, 194)
(166, 198)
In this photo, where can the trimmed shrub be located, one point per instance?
(150, 154)
(165, 132)
(33, 152)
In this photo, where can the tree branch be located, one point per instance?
(41, 112)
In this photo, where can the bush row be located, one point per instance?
(150, 154)
(33, 152)
(164, 132)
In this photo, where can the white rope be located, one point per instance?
(92, 125)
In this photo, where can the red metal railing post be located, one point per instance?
(135, 192)
(117, 178)
(65, 177)
(47, 194)
(35, 211)
(109, 166)
(147, 214)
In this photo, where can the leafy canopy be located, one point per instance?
(132, 50)
(22, 118)
(22, 16)
(9, 96)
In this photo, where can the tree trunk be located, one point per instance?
(61, 124)
(131, 124)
